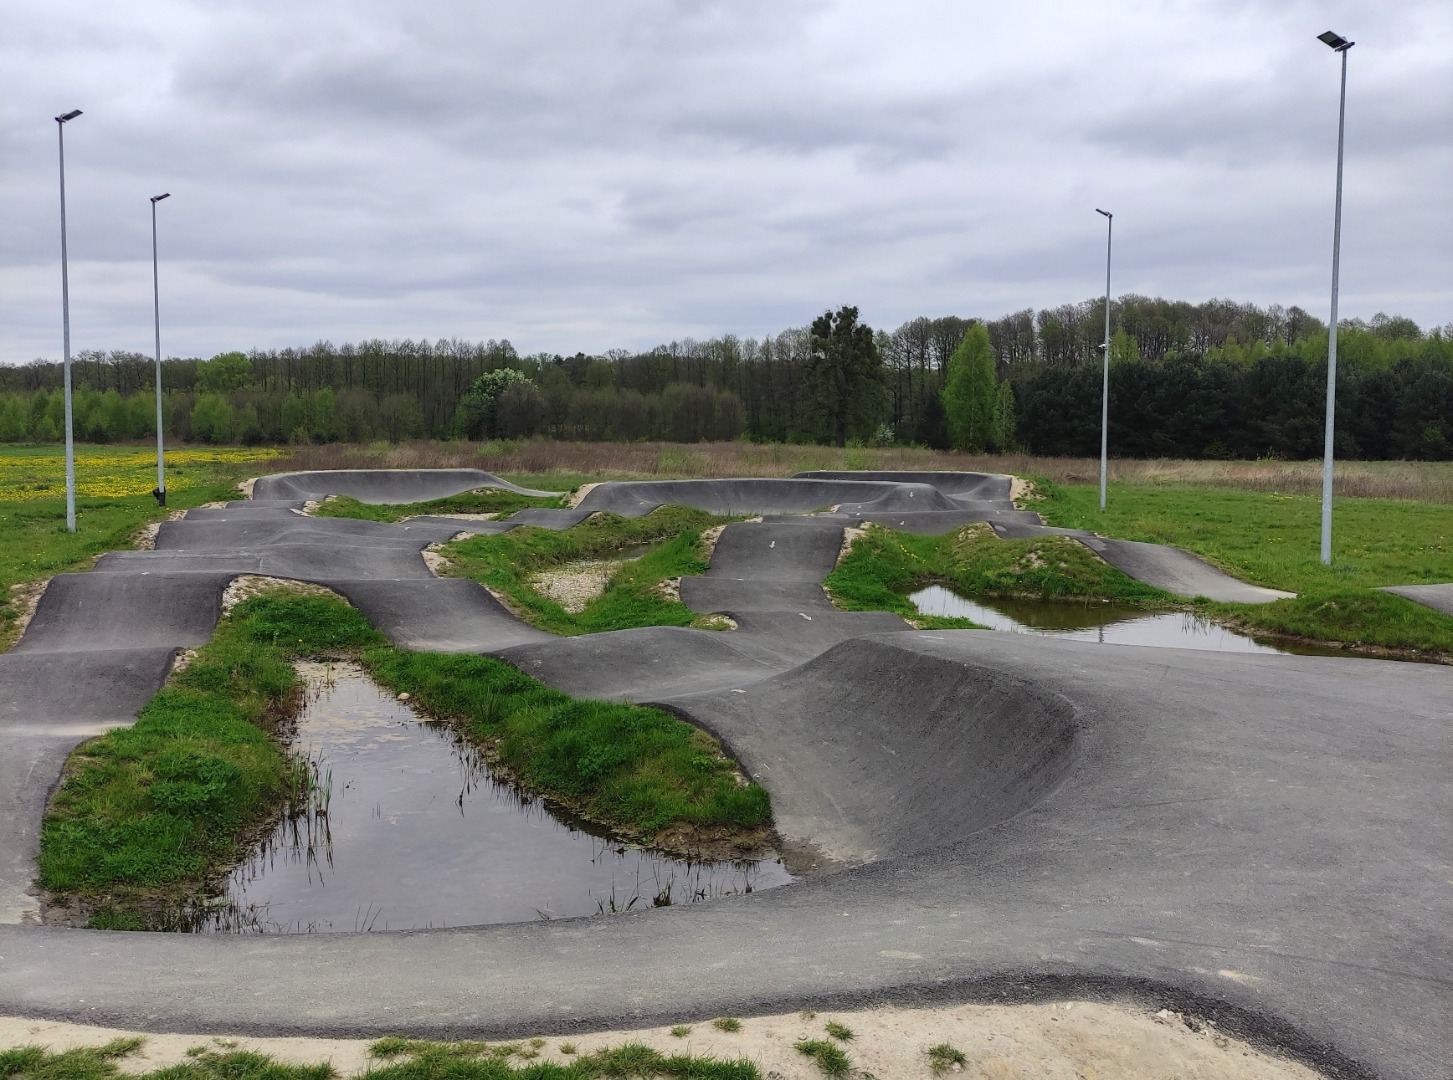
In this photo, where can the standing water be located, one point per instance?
(1109, 624)
(409, 829)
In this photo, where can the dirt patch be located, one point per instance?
(1071, 1040)
(708, 540)
(145, 538)
(246, 486)
(579, 494)
(714, 621)
(1023, 491)
(452, 517)
(249, 585)
(851, 535)
(24, 599)
(575, 585)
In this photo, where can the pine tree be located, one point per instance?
(970, 394)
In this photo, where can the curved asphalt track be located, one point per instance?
(1261, 838)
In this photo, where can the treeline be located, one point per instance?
(1218, 378)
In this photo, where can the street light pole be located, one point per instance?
(160, 491)
(1105, 390)
(66, 329)
(1340, 44)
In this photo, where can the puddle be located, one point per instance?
(410, 830)
(1109, 624)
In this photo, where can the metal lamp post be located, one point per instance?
(66, 329)
(1339, 44)
(1105, 390)
(160, 491)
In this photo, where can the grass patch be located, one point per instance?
(884, 566)
(943, 1057)
(840, 1032)
(1273, 540)
(1350, 617)
(680, 1031)
(408, 1059)
(827, 1056)
(727, 1023)
(159, 809)
(637, 770)
(507, 563)
(487, 501)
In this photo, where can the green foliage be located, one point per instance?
(840, 1032)
(507, 562)
(214, 420)
(224, 372)
(970, 395)
(846, 374)
(626, 766)
(479, 408)
(728, 1024)
(827, 1056)
(490, 501)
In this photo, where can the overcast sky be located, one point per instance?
(589, 174)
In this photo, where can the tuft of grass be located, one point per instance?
(103, 1063)
(635, 769)
(884, 566)
(507, 562)
(827, 1056)
(161, 805)
(943, 1057)
(567, 1049)
(840, 1032)
(680, 1031)
(727, 1023)
(406, 1059)
(485, 501)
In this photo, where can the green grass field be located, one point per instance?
(1275, 540)
(113, 502)
(1270, 539)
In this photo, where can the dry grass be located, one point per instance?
(1424, 481)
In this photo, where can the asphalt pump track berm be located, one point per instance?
(1262, 840)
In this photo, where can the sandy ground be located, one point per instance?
(1059, 1041)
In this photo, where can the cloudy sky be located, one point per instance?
(589, 174)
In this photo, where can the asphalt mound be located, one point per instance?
(1437, 597)
(872, 751)
(382, 486)
(761, 496)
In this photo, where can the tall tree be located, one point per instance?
(846, 373)
(970, 394)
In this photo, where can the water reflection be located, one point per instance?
(407, 827)
(1110, 624)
